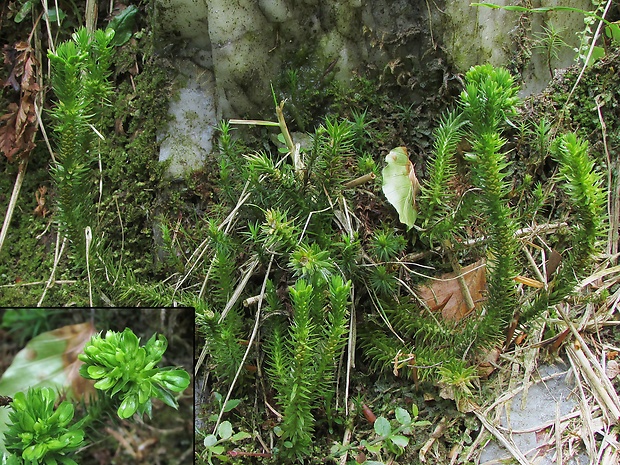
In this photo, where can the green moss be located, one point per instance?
(132, 177)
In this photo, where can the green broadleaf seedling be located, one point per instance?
(400, 185)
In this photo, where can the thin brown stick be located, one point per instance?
(359, 181)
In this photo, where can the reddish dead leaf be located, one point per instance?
(445, 294)
(18, 125)
(368, 414)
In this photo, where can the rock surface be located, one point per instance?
(247, 45)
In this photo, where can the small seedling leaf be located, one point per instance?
(382, 426)
(210, 440)
(231, 404)
(399, 440)
(225, 430)
(374, 449)
(402, 416)
(240, 436)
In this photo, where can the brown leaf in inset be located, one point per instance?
(446, 295)
(76, 336)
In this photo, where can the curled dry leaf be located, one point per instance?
(400, 185)
(445, 294)
(487, 361)
(40, 209)
(18, 124)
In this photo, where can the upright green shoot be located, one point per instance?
(80, 69)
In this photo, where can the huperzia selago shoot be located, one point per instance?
(480, 124)
(121, 367)
(42, 429)
(80, 71)
(40, 433)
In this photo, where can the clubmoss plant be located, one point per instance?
(41, 433)
(303, 357)
(549, 42)
(120, 366)
(581, 183)
(489, 101)
(437, 203)
(80, 71)
(487, 107)
(386, 245)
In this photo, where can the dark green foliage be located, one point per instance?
(386, 245)
(303, 358)
(224, 343)
(436, 200)
(333, 146)
(382, 281)
(80, 68)
(486, 106)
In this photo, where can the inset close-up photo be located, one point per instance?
(96, 386)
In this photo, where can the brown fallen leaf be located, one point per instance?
(487, 361)
(445, 293)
